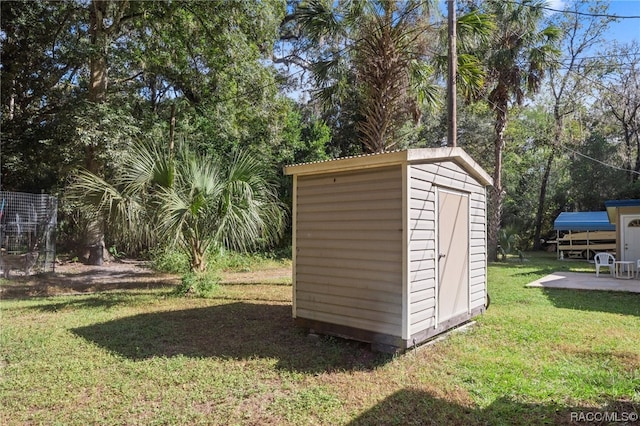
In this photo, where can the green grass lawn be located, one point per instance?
(147, 357)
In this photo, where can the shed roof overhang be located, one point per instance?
(613, 205)
(409, 156)
(583, 221)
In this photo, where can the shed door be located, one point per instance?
(630, 237)
(453, 254)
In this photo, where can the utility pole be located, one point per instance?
(453, 71)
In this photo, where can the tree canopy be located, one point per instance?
(544, 101)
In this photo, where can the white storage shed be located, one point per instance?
(389, 248)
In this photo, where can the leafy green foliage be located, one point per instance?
(228, 260)
(377, 61)
(204, 59)
(194, 201)
(529, 138)
(594, 181)
(228, 204)
(509, 242)
(167, 259)
(199, 284)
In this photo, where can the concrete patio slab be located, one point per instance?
(586, 281)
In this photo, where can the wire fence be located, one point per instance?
(28, 226)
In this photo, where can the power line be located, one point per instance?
(593, 15)
(611, 166)
(627, 66)
(576, 12)
(607, 88)
(606, 56)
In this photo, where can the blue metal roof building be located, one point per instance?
(621, 216)
(583, 221)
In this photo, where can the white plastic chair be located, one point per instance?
(604, 259)
(638, 269)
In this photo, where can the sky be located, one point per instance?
(625, 30)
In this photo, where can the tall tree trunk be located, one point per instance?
(452, 124)
(93, 250)
(98, 71)
(537, 244)
(172, 129)
(496, 196)
(98, 61)
(12, 100)
(636, 175)
(542, 198)
(629, 151)
(198, 256)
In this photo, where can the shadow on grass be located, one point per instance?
(623, 303)
(102, 300)
(46, 285)
(543, 263)
(271, 282)
(541, 269)
(231, 331)
(416, 407)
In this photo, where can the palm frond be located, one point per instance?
(473, 29)
(471, 76)
(318, 18)
(234, 206)
(125, 213)
(147, 164)
(252, 211)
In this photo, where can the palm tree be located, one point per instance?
(229, 205)
(383, 53)
(391, 42)
(191, 201)
(517, 58)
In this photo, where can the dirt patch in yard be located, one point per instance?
(77, 278)
(264, 276)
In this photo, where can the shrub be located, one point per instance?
(169, 260)
(199, 284)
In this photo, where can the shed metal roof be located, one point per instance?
(613, 205)
(622, 203)
(583, 221)
(409, 156)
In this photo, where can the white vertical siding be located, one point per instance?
(422, 237)
(349, 249)
(406, 249)
(425, 178)
(293, 244)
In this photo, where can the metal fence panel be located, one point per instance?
(28, 224)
